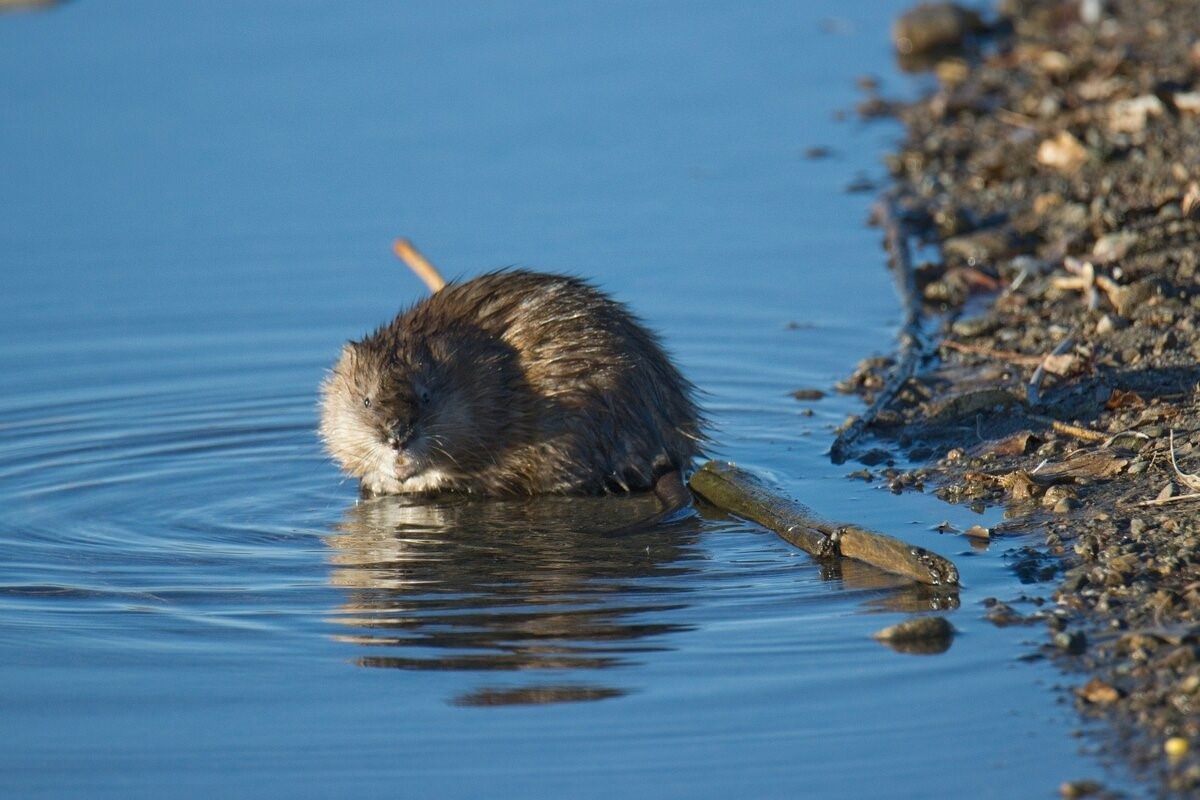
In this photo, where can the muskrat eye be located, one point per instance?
(424, 396)
(367, 402)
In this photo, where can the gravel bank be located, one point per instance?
(1050, 189)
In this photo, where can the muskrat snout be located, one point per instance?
(399, 434)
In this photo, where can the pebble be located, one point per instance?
(916, 628)
(1063, 152)
(1073, 643)
(934, 26)
(1176, 747)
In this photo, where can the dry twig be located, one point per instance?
(1000, 355)
(1086, 434)
(912, 343)
(741, 493)
(1188, 479)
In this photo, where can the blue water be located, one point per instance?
(196, 206)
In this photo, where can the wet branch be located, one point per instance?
(741, 493)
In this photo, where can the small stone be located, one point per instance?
(1046, 201)
(952, 71)
(1176, 747)
(918, 635)
(1074, 789)
(860, 184)
(1099, 693)
(978, 532)
(1002, 615)
(974, 326)
(1130, 116)
(1073, 643)
(1064, 152)
(1113, 246)
(874, 457)
(1056, 494)
(1054, 62)
(1187, 102)
(808, 394)
(933, 26)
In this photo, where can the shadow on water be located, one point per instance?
(527, 585)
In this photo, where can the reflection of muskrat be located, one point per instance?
(513, 383)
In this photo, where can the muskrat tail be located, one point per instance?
(407, 252)
(676, 500)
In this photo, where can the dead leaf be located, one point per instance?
(1121, 398)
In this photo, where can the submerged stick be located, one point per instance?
(410, 255)
(744, 495)
(912, 344)
(740, 493)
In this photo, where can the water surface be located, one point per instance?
(196, 209)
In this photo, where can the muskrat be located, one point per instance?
(512, 383)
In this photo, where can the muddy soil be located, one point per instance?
(1050, 189)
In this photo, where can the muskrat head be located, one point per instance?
(376, 407)
(415, 416)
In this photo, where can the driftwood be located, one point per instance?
(912, 342)
(744, 495)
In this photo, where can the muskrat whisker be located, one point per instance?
(446, 453)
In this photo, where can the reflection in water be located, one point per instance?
(895, 593)
(27, 5)
(461, 584)
(920, 647)
(535, 695)
(508, 585)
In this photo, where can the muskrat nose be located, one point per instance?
(399, 434)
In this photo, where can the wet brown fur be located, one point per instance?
(515, 382)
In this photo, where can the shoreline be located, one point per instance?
(1050, 189)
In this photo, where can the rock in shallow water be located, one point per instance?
(918, 635)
